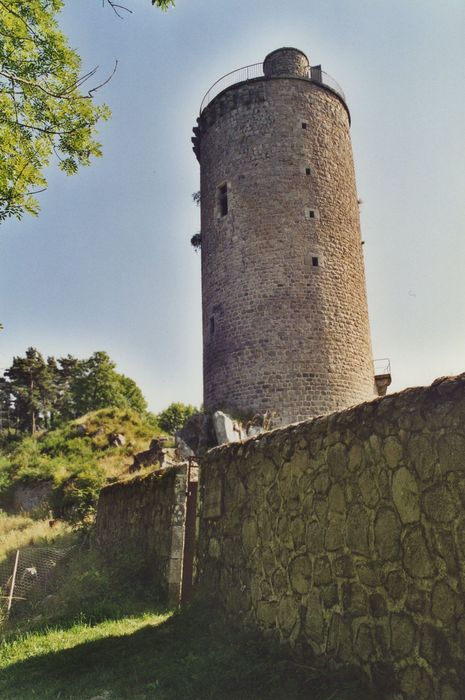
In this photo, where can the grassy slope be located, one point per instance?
(76, 457)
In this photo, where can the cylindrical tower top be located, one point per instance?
(287, 62)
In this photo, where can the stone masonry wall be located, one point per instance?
(285, 319)
(145, 516)
(345, 536)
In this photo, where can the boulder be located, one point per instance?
(197, 433)
(116, 440)
(226, 429)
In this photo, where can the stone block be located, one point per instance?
(406, 496)
(226, 429)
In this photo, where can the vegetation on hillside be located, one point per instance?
(37, 393)
(173, 418)
(77, 458)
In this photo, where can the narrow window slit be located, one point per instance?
(223, 199)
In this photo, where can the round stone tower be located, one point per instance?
(285, 318)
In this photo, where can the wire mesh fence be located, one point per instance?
(29, 572)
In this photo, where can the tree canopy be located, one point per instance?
(47, 107)
(37, 393)
(173, 418)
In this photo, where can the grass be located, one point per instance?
(187, 656)
(19, 531)
(76, 459)
(104, 637)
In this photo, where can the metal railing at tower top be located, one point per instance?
(255, 70)
(382, 366)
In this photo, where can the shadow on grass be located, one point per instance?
(187, 657)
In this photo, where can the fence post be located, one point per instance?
(13, 581)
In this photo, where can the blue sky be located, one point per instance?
(108, 265)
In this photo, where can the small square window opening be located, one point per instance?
(304, 125)
(307, 171)
(315, 262)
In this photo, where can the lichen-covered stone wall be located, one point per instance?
(145, 516)
(345, 536)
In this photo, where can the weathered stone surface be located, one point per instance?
(444, 603)
(357, 530)
(387, 534)
(417, 559)
(439, 504)
(315, 538)
(322, 574)
(329, 595)
(369, 573)
(377, 605)
(288, 616)
(444, 546)
(451, 452)
(266, 613)
(434, 646)
(363, 646)
(337, 460)
(355, 458)
(300, 574)
(354, 599)
(422, 455)
(145, 516)
(392, 451)
(297, 530)
(416, 684)
(249, 534)
(405, 494)
(343, 566)
(396, 584)
(226, 429)
(402, 635)
(368, 488)
(334, 536)
(27, 498)
(417, 600)
(314, 621)
(449, 692)
(336, 500)
(214, 548)
(332, 643)
(386, 539)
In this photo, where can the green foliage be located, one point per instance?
(96, 384)
(174, 417)
(44, 112)
(37, 393)
(76, 457)
(75, 497)
(196, 241)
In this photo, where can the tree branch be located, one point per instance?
(117, 8)
(66, 93)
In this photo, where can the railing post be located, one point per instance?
(13, 581)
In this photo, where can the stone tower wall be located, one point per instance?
(280, 333)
